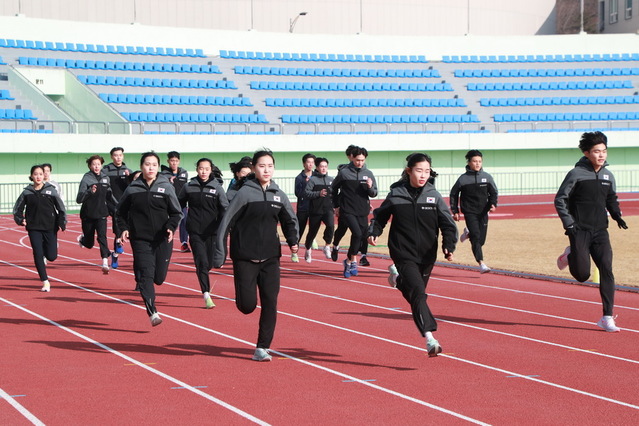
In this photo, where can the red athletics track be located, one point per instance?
(345, 351)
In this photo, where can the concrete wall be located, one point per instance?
(388, 17)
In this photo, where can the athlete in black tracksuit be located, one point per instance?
(206, 200)
(252, 219)
(179, 178)
(145, 214)
(419, 213)
(45, 214)
(119, 179)
(478, 197)
(581, 203)
(351, 191)
(97, 201)
(320, 206)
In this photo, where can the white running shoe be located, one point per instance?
(261, 355)
(105, 266)
(607, 322)
(483, 268)
(46, 286)
(314, 246)
(208, 302)
(79, 240)
(327, 252)
(155, 319)
(294, 258)
(464, 236)
(562, 260)
(308, 256)
(392, 275)
(433, 347)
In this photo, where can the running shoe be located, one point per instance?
(185, 248)
(261, 355)
(295, 258)
(562, 260)
(308, 256)
(45, 260)
(114, 261)
(354, 270)
(314, 246)
(105, 266)
(79, 239)
(208, 301)
(392, 275)
(334, 253)
(483, 268)
(347, 268)
(607, 322)
(155, 319)
(464, 236)
(433, 347)
(46, 286)
(327, 252)
(364, 262)
(119, 248)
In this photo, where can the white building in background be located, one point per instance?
(337, 17)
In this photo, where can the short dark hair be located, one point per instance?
(116, 148)
(319, 160)
(149, 154)
(92, 158)
(173, 154)
(307, 156)
(473, 153)
(244, 162)
(349, 150)
(47, 165)
(358, 150)
(590, 139)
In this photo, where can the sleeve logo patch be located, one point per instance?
(430, 200)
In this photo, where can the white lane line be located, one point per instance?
(138, 363)
(19, 408)
(451, 322)
(218, 333)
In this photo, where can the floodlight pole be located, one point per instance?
(581, 31)
(294, 21)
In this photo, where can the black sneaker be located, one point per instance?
(335, 253)
(364, 262)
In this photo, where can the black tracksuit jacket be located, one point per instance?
(207, 203)
(181, 177)
(416, 223)
(351, 192)
(319, 205)
(252, 219)
(118, 177)
(98, 204)
(45, 209)
(585, 195)
(478, 192)
(148, 211)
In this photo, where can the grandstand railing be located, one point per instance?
(508, 183)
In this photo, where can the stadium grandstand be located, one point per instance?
(225, 78)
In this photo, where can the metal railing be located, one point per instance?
(508, 183)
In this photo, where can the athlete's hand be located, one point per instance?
(621, 223)
(169, 234)
(448, 255)
(493, 208)
(125, 236)
(372, 240)
(295, 248)
(456, 217)
(572, 229)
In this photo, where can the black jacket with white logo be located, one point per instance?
(418, 216)
(585, 195)
(318, 204)
(478, 192)
(98, 204)
(252, 219)
(351, 192)
(118, 177)
(148, 211)
(207, 203)
(45, 209)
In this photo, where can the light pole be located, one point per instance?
(581, 31)
(294, 21)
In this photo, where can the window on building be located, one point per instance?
(613, 8)
(628, 9)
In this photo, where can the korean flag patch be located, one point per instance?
(606, 177)
(47, 192)
(484, 180)
(212, 191)
(430, 200)
(161, 190)
(276, 198)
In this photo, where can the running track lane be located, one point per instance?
(377, 341)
